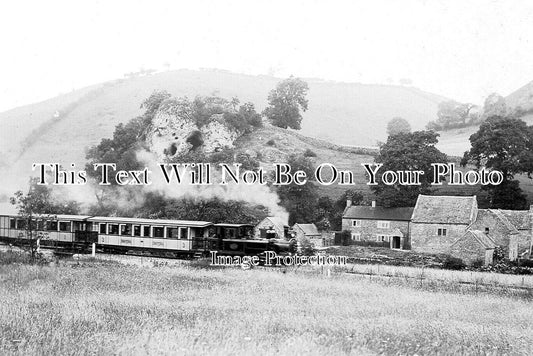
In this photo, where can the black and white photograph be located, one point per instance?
(266, 177)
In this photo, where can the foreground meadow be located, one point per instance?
(108, 308)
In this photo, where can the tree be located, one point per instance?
(494, 106)
(299, 200)
(335, 216)
(452, 114)
(407, 152)
(36, 207)
(504, 144)
(152, 103)
(285, 103)
(398, 125)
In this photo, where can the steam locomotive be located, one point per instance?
(167, 238)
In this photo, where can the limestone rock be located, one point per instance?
(174, 132)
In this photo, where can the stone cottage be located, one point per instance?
(438, 221)
(454, 225)
(308, 232)
(376, 223)
(474, 246)
(271, 225)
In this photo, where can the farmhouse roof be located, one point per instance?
(520, 219)
(377, 213)
(308, 229)
(445, 209)
(276, 221)
(481, 237)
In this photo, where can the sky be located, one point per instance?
(463, 50)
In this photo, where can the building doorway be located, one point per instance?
(396, 242)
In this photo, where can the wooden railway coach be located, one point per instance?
(109, 233)
(172, 238)
(55, 230)
(178, 237)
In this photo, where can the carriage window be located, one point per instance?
(64, 226)
(172, 232)
(52, 226)
(136, 230)
(103, 229)
(113, 229)
(40, 225)
(21, 224)
(159, 231)
(146, 231)
(183, 233)
(12, 223)
(125, 229)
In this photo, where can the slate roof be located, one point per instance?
(481, 237)
(445, 209)
(276, 221)
(377, 213)
(519, 218)
(308, 229)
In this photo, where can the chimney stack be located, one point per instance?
(373, 203)
(348, 203)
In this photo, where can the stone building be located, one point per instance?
(438, 221)
(474, 246)
(379, 224)
(308, 232)
(271, 225)
(454, 225)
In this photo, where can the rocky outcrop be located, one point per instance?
(175, 131)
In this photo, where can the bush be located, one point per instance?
(453, 263)
(271, 142)
(478, 263)
(526, 263)
(309, 153)
(305, 247)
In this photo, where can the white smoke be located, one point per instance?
(254, 194)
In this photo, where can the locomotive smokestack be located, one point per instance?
(348, 203)
(373, 203)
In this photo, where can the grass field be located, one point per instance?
(108, 308)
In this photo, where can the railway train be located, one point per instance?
(167, 238)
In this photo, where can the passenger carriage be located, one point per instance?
(179, 236)
(172, 238)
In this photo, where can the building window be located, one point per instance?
(441, 232)
(382, 238)
(383, 224)
(356, 236)
(356, 223)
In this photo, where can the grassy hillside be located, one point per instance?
(283, 143)
(61, 129)
(345, 113)
(522, 97)
(106, 308)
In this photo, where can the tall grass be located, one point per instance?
(106, 308)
